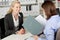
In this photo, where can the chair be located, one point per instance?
(0, 32)
(58, 34)
(2, 28)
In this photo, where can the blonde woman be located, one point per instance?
(14, 19)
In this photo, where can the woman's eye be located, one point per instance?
(19, 7)
(16, 7)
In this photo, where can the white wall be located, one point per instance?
(33, 12)
(27, 1)
(3, 11)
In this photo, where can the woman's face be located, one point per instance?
(16, 8)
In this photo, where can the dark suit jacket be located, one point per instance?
(9, 24)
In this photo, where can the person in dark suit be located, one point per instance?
(14, 20)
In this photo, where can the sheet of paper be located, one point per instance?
(18, 37)
(41, 20)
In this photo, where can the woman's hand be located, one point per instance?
(35, 37)
(21, 31)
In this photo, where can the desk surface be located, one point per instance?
(18, 37)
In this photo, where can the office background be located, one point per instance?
(28, 7)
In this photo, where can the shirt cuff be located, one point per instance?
(39, 38)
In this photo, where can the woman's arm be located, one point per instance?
(7, 30)
(49, 30)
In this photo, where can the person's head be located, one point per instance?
(15, 7)
(49, 8)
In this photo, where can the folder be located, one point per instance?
(33, 26)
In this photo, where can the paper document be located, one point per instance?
(41, 20)
(18, 37)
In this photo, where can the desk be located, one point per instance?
(18, 37)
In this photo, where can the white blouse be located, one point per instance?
(16, 22)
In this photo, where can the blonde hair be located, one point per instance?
(12, 5)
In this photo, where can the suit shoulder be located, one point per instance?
(7, 15)
(20, 13)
